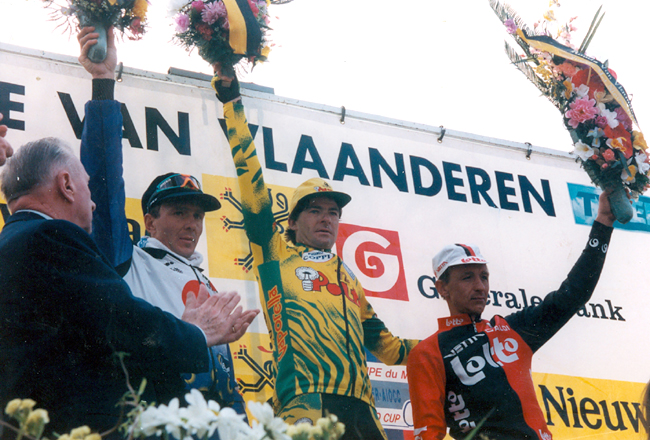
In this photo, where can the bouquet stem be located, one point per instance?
(620, 204)
(98, 52)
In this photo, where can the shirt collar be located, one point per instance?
(45, 216)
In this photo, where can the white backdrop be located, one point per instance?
(528, 251)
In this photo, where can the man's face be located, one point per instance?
(179, 226)
(83, 206)
(467, 289)
(318, 225)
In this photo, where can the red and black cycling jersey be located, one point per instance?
(469, 370)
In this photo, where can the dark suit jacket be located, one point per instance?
(64, 312)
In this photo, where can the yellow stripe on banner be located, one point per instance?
(237, 27)
(611, 88)
(584, 408)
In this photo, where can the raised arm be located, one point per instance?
(539, 323)
(256, 204)
(101, 154)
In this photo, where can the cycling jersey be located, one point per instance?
(472, 371)
(152, 270)
(315, 308)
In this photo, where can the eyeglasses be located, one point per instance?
(173, 182)
(179, 181)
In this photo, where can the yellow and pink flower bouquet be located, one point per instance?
(595, 107)
(223, 31)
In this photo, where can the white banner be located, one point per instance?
(411, 195)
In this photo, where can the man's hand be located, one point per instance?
(219, 316)
(605, 215)
(88, 38)
(226, 87)
(5, 149)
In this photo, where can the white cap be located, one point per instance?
(455, 255)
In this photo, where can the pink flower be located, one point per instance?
(582, 109)
(511, 26)
(254, 7)
(601, 121)
(213, 11)
(136, 26)
(608, 155)
(226, 23)
(198, 5)
(567, 69)
(623, 118)
(205, 31)
(182, 23)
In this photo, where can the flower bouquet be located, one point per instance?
(595, 108)
(223, 31)
(200, 419)
(128, 16)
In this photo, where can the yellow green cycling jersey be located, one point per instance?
(315, 308)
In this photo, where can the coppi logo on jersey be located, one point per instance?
(375, 256)
(317, 256)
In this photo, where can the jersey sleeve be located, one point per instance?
(389, 349)
(101, 156)
(426, 377)
(537, 324)
(255, 200)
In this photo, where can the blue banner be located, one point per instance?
(584, 202)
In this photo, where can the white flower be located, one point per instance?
(581, 91)
(200, 419)
(273, 427)
(627, 175)
(583, 151)
(232, 426)
(155, 421)
(261, 411)
(641, 163)
(610, 115)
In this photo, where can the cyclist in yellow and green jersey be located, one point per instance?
(315, 308)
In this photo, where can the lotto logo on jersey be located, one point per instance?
(375, 256)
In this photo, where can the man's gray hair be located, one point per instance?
(34, 164)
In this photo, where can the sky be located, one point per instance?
(425, 61)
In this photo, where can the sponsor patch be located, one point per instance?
(317, 256)
(352, 275)
(472, 260)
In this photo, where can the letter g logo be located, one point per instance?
(373, 261)
(375, 257)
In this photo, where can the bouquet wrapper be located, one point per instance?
(620, 204)
(618, 200)
(98, 52)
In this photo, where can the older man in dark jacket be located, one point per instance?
(65, 312)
